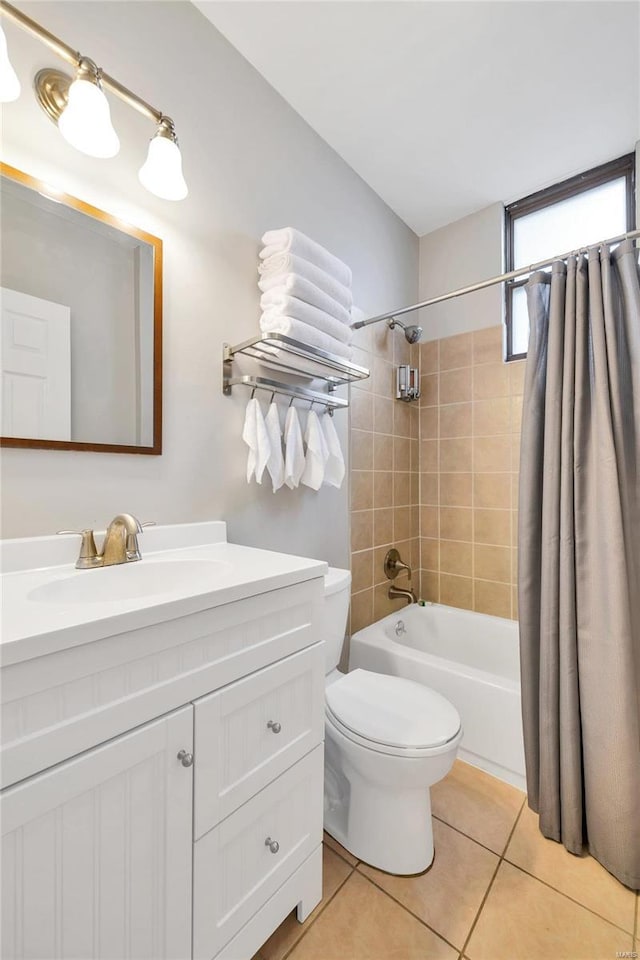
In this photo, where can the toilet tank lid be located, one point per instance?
(336, 579)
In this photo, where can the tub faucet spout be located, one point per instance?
(397, 592)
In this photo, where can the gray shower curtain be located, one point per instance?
(579, 556)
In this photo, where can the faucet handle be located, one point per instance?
(88, 556)
(148, 523)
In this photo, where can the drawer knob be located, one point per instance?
(186, 759)
(273, 845)
(274, 726)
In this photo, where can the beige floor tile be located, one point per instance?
(449, 894)
(581, 878)
(334, 872)
(523, 919)
(362, 923)
(339, 849)
(477, 804)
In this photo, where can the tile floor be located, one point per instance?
(497, 890)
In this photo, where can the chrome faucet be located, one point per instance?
(120, 543)
(393, 565)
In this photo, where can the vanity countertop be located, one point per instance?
(185, 568)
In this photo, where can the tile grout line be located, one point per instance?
(320, 912)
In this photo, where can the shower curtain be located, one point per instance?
(579, 556)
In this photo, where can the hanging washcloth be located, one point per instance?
(255, 435)
(335, 469)
(294, 449)
(275, 464)
(317, 453)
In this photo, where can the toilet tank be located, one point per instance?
(337, 591)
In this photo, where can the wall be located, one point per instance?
(251, 164)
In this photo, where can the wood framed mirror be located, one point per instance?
(81, 315)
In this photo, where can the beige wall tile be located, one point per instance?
(382, 341)
(455, 455)
(487, 345)
(515, 489)
(514, 565)
(492, 490)
(414, 420)
(430, 585)
(414, 456)
(456, 591)
(429, 554)
(402, 523)
(429, 522)
(429, 356)
(383, 526)
(456, 523)
(492, 563)
(491, 454)
(401, 349)
(428, 456)
(455, 489)
(517, 370)
(516, 414)
(401, 418)
(361, 409)
(491, 417)
(382, 377)
(429, 390)
(455, 420)
(383, 489)
(382, 605)
(515, 452)
(456, 351)
(429, 423)
(492, 598)
(514, 603)
(361, 489)
(401, 453)
(382, 415)
(361, 570)
(429, 488)
(455, 385)
(361, 450)
(490, 380)
(415, 488)
(361, 529)
(361, 610)
(379, 555)
(401, 489)
(492, 526)
(382, 451)
(456, 558)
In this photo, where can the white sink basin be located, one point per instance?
(128, 581)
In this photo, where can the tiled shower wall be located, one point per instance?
(471, 407)
(439, 480)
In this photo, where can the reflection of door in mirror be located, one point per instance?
(35, 374)
(81, 324)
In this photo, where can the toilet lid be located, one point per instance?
(392, 711)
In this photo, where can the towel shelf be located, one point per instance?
(326, 366)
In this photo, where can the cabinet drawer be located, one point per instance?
(235, 872)
(237, 751)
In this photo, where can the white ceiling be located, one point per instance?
(445, 107)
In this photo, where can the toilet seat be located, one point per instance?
(391, 715)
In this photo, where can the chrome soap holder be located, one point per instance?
(407, 383)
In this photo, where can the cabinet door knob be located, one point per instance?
(186, 759)
(274, 726)
(273, 845)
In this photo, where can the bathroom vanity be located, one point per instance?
(162, 747)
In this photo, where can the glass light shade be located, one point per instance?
(85, 122)
(9, 83)
(161, 173)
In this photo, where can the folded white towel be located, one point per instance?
(334, 470)
(297, 330)
(284, 306)
(277, 359)
(278, 267)
(275, 463)
(303, 290)
(317, 453)
(294, 449)
(255, 436)
(290, 240)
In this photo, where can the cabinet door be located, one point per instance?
(97, 852)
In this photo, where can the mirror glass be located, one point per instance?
(81, 317)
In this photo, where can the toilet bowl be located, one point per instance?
(387, 740)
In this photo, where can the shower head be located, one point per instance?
(412, 333)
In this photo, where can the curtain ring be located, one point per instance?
(272, 396)
(253, 393)
(311, 405)
(329, 410)
(291, 401)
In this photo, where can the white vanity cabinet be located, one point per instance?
(164, 783)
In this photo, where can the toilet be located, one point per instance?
(387, 740)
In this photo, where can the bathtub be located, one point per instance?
(471, 659)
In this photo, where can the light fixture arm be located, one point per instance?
(72, 56)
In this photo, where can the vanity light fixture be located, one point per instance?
(9, 83)
(81, 110)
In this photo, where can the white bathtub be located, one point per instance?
(471, 659)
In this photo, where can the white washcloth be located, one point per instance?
(334, 470)
(303, 290)
(281, 305)
(290, 327)
(275, 464)
(317, 453)
(294, 449)
(290, 240)
(274, 270)
(255, 436)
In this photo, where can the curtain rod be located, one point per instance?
(520, 272)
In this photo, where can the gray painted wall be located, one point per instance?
(252, 164)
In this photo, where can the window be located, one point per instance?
(585, 209)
